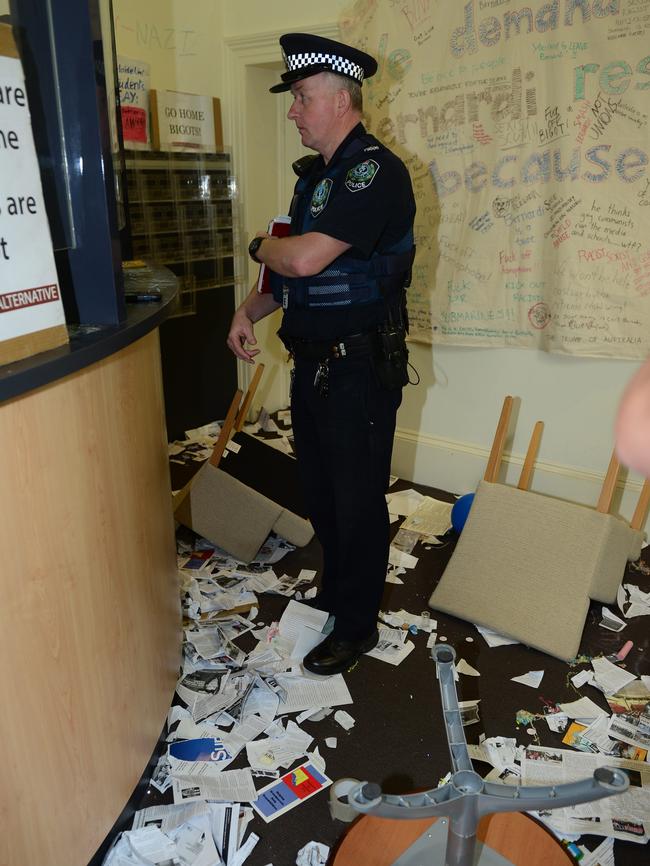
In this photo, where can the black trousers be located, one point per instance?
(343, 445)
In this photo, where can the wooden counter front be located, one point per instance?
(89, 619)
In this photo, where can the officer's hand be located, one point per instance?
(241, 333)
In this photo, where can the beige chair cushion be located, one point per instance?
(234, 516)
(526, 566)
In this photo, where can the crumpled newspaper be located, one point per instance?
(313, 854)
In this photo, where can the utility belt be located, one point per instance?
(386, 347)
(324, 350)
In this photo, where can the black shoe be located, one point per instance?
(335, 655)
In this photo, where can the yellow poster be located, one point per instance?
(525, 129)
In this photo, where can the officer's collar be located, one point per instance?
(354, 133)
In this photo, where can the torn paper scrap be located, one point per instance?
(532, 679)
(344, 719)
(331, 742)
(401, 559)
(581, 678)
(290, 790)
(313, 854)
(608, 677)
(404, 502)
(493, 638)
(431, 518)
(234, 786)
(584, 708)
(465, 668)
(304, 693)
(610, 621)
(557, 722)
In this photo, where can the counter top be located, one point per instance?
(89, 343)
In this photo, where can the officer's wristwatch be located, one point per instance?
(253, 247)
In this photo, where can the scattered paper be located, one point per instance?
(463, 667)
(610, 621)
(493, 638)
(532, 679)
(430, 519)
(344, 719)
(303, 693)
(313, 854)
(404, 502)
(331, 742)
(584, 708)
(608, 677)
(581, 678)
(289, 791)
(557, 722)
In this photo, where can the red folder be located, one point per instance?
(278, 228)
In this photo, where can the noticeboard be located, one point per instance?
(31, 312)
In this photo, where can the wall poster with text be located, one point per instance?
(525, 129)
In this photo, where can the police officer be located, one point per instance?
(340, 278)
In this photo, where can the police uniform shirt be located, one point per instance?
(368, 204)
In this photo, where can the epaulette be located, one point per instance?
(301, 166)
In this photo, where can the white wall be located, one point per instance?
(446, 423)
(179, 39)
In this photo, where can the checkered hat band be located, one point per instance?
(337, 64)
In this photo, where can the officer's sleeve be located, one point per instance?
(370, 194)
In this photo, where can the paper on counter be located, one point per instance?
(331, 742)
(532, 679)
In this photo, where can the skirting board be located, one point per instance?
(459, 466)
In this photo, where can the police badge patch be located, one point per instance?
(362, 175)
(320, 196)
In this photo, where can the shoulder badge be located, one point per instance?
(362, 175)
(320, 196)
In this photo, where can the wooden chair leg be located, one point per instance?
(494, 460)
(531, 454)
(226, 429)
(248, 399)
(641, 509)
(609, 485)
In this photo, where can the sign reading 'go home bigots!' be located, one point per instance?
(30, 299)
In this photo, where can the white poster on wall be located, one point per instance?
(185, 121)
(30, 298)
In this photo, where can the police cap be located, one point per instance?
(305, 55)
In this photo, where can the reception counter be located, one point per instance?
(90, 624)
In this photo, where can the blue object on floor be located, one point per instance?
(460, 511)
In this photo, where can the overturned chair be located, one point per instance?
(235, 503)
(526, 565)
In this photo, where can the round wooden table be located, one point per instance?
(518, 838)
